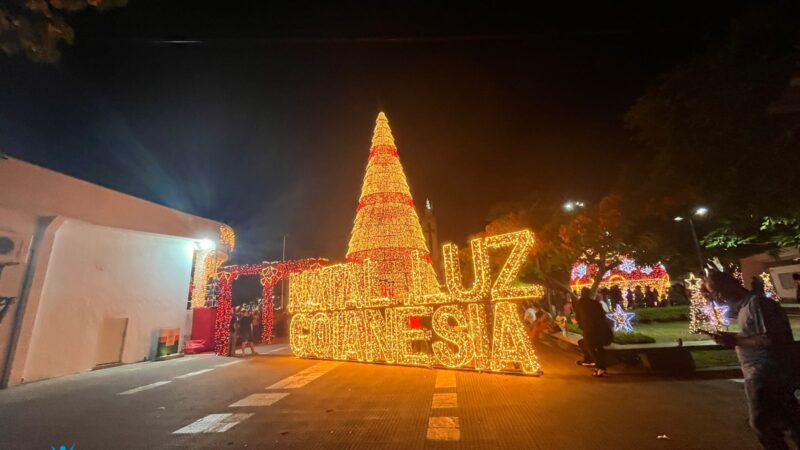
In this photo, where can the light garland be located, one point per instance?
(621, 319)
(704, 316)
(627, 275)
(769, 288)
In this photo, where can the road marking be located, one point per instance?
(230, 363)
(737, 380)
(445, 379)
(305, 376)
(214, 423)
(259, 399)
(191, 374)
(444, 400)
(443, 428)
(145, 387)
(276, 350)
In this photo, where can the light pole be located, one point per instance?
(700, 211)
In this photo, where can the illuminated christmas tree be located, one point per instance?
(387, 228)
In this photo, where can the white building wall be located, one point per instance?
(19, 226)
(96, 272)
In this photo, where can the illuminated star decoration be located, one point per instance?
(621, 319)
(693, 283)
(717, 314)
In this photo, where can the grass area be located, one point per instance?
(668, 331)
(715, 358)
(662, 314)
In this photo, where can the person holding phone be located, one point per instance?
(764, 347)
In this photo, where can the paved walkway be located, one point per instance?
(278, 401)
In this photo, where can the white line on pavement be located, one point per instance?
(214, 423)
(444, 400)
(445, 379)
(738, 380)
(276, 350)
(145, 387)
(443, 429)
(259, 399)
(305, 376)
(191, 374)
(230, 363)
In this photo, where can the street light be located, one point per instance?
(571, 205)
(700, 211)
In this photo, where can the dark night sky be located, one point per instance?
(265, 122)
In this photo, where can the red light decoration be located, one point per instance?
(271, 273)
(627, 275)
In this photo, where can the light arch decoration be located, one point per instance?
(270, 274)
(627, 275)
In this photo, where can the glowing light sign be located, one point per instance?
(339, 312)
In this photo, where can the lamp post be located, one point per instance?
(700, 211)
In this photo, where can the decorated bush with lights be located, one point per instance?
(384, 304)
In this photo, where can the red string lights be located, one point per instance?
(271, 273)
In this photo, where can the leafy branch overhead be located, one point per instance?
(37, 28)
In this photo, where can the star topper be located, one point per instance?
(621, 319)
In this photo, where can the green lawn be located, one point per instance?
(668, 331)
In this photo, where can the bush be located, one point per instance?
(632, 338)
(665, 314)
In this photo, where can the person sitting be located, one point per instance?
(543, 322)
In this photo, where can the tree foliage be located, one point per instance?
(37, 28)
(714, 138)
(602, 234)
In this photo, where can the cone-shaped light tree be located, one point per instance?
(387, 229)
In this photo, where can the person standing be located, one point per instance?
(596, 331)
(246, 332)
(616, 295)
(638, 297)
(757, 286)
(764, 347)
(233, 332)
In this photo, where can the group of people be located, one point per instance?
(245, 330)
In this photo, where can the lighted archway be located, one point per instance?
(271, 273)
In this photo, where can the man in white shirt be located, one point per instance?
(765, 350)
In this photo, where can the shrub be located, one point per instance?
(665, 314)
(632, 338)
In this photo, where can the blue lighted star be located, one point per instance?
(621, 319)
(717, 314)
